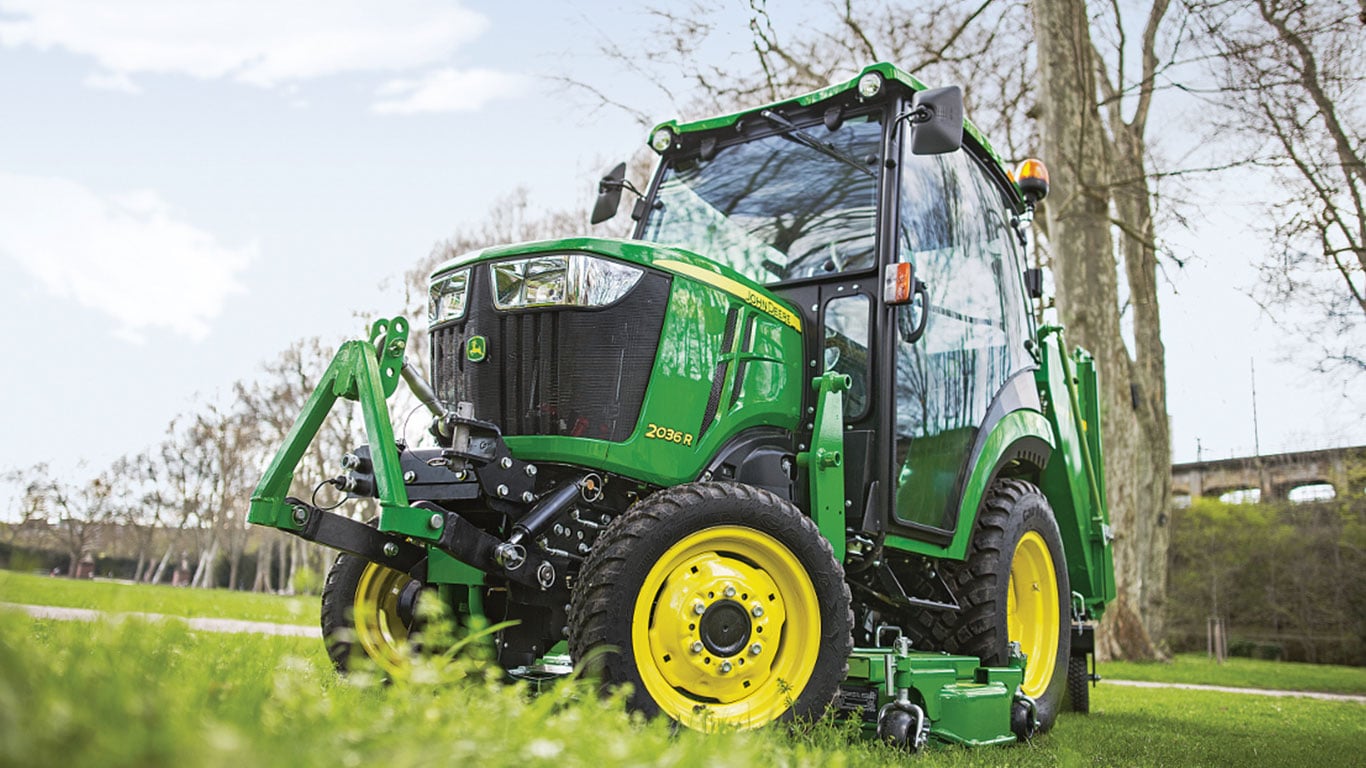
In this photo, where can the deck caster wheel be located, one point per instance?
(1024, 718)
(902, 724)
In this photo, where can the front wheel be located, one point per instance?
(719, 604)
(368, 615)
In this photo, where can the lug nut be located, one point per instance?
(725, 667)
(729, 591)
(756, 649)
(528, 496)
(699, 608)
(502, 490)
(390, 549)
(531, 470)
(506, 463)
(696, 646)
(757, 610)
(435, 522)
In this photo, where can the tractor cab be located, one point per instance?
(832, 204)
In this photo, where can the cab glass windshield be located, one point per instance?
(800, 203)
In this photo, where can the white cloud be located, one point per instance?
(127, 256)
(261, 42)
(447, 90)
(111, 81)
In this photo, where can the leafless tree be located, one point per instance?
(1291, 78)
(74, 513)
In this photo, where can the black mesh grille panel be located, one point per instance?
(559, 371)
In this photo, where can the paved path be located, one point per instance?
(1225, 689)
(203, 625)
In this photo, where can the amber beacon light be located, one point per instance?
(1032, 177)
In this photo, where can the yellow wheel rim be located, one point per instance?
(726, 629)
(379, 628)
(1032, 611)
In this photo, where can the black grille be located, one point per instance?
(558, 371)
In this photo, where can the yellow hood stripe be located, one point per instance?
(734, 287)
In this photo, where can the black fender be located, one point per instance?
(762, 457)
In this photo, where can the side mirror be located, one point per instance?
(609, 195)
(936, 119)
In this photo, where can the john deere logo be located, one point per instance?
(476, 349)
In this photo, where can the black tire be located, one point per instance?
(675, 598)
(895, 728)
(1078, 685)
(1011, 511)
(385, 609)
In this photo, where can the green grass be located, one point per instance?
(1242, 673)
(145, 598)
(136, 694)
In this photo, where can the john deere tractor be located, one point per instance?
(796, 447)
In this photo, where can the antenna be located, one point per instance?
(1256, 437)
(1262, 495)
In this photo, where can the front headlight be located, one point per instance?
(448, 294)
(575, 280)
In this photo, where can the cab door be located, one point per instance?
(954, 226)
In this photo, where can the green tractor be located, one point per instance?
(797, 446)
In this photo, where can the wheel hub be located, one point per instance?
(407, 602)
(725, 628)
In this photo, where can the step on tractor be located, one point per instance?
(798, 447)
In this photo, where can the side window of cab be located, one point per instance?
(954, 227)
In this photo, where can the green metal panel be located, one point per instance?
(1073, 481)
(965, 702)
(824, 463)
(1016, 426)
(444, 569)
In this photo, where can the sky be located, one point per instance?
(187, 188)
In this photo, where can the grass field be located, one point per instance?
(137, 694)
(1242, 673)
(119, 597)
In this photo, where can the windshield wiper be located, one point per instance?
(793, 133)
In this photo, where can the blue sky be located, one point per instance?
(186, 188)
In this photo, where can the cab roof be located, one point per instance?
(890, 73)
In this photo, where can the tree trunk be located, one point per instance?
(203, 572)
(161, 566)
(264, 560)
(1086, 276)
(234, 565)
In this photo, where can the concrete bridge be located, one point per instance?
(1275, 475)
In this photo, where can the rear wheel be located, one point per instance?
(1078, 685)
(1014, 587)
(368, 615)
(720, 604)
